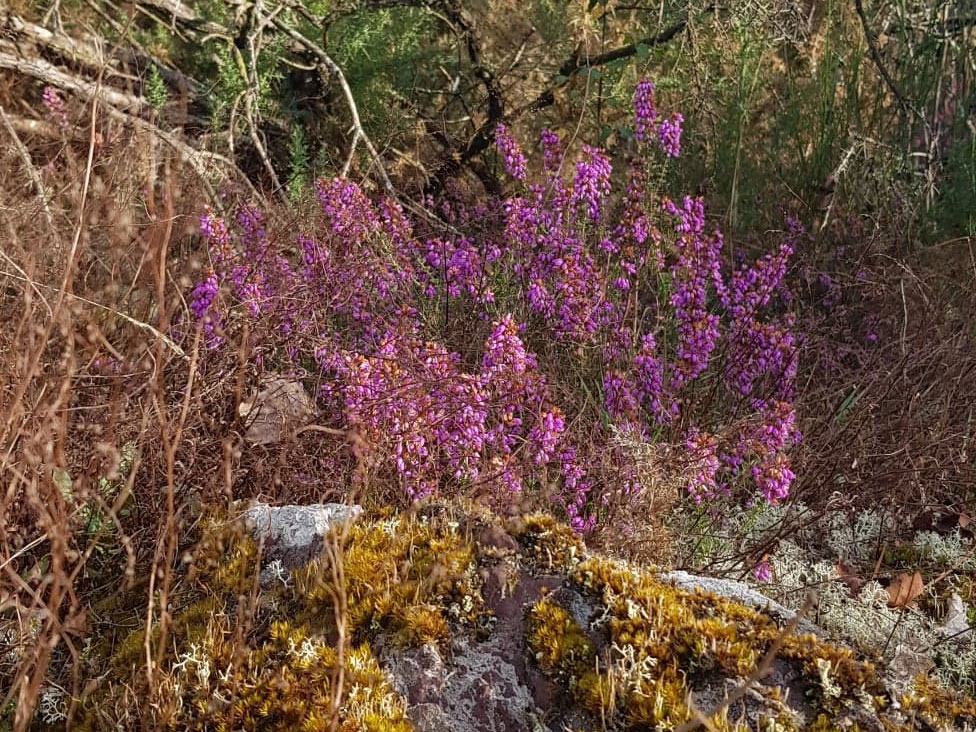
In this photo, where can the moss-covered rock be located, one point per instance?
(450, 619)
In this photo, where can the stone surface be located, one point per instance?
(488, 685)
(905, 666)
(956, 626)
(477, 690)
(276, 409)
(293, 535)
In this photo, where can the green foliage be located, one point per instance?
(955, 209)
(384, 53)
(233, 89)
(156, 92)
(300, 172)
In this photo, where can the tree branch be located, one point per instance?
(38, 68)
(125, 107)
(576, 63)
(326, 60)
(876, 58)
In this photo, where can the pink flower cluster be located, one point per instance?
(430, 423)
(646, 121)
(514, 158)
(55, 105)
(563, 306)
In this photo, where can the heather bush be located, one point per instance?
(439, 342)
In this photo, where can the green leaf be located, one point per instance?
(848, 404)
(643, 51)
(62, 479)
(156, 93)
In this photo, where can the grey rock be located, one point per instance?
(478, 690)
(956, 625)
(277, 408)
(739, 592)
(293, 535)
(906, 665)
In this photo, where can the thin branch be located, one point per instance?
(570, 68)
(872, 42)
(333, 67)
(35, 177)
(40, 69)
(197, 159)
(169, 342)
(251, 103)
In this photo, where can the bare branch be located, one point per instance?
(872, 42)
(51, 74)
(119, 104)
(39, 186)
(570, 68)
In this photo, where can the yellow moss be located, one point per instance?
(547, 540)
(406, 575)
(660, 634)
(424, 624)
(398, 574)
(940, 708)
(413, 577)
(558, 643)
(823, 723)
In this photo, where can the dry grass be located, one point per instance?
(111, 439)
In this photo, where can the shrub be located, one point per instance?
(562, 284)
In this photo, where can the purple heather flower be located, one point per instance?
(592, 182)
(702, 482)
(431, 419)
(214, 230)
(204, 295)
(645, 111)
(650, 378)
(669, 135)
(55, 105)
(763, 572)
(512, 154)
(546, 436)
(552, 155)
(773, 478)
(621, 397)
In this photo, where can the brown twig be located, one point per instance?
(39, 186)
(875, 53)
